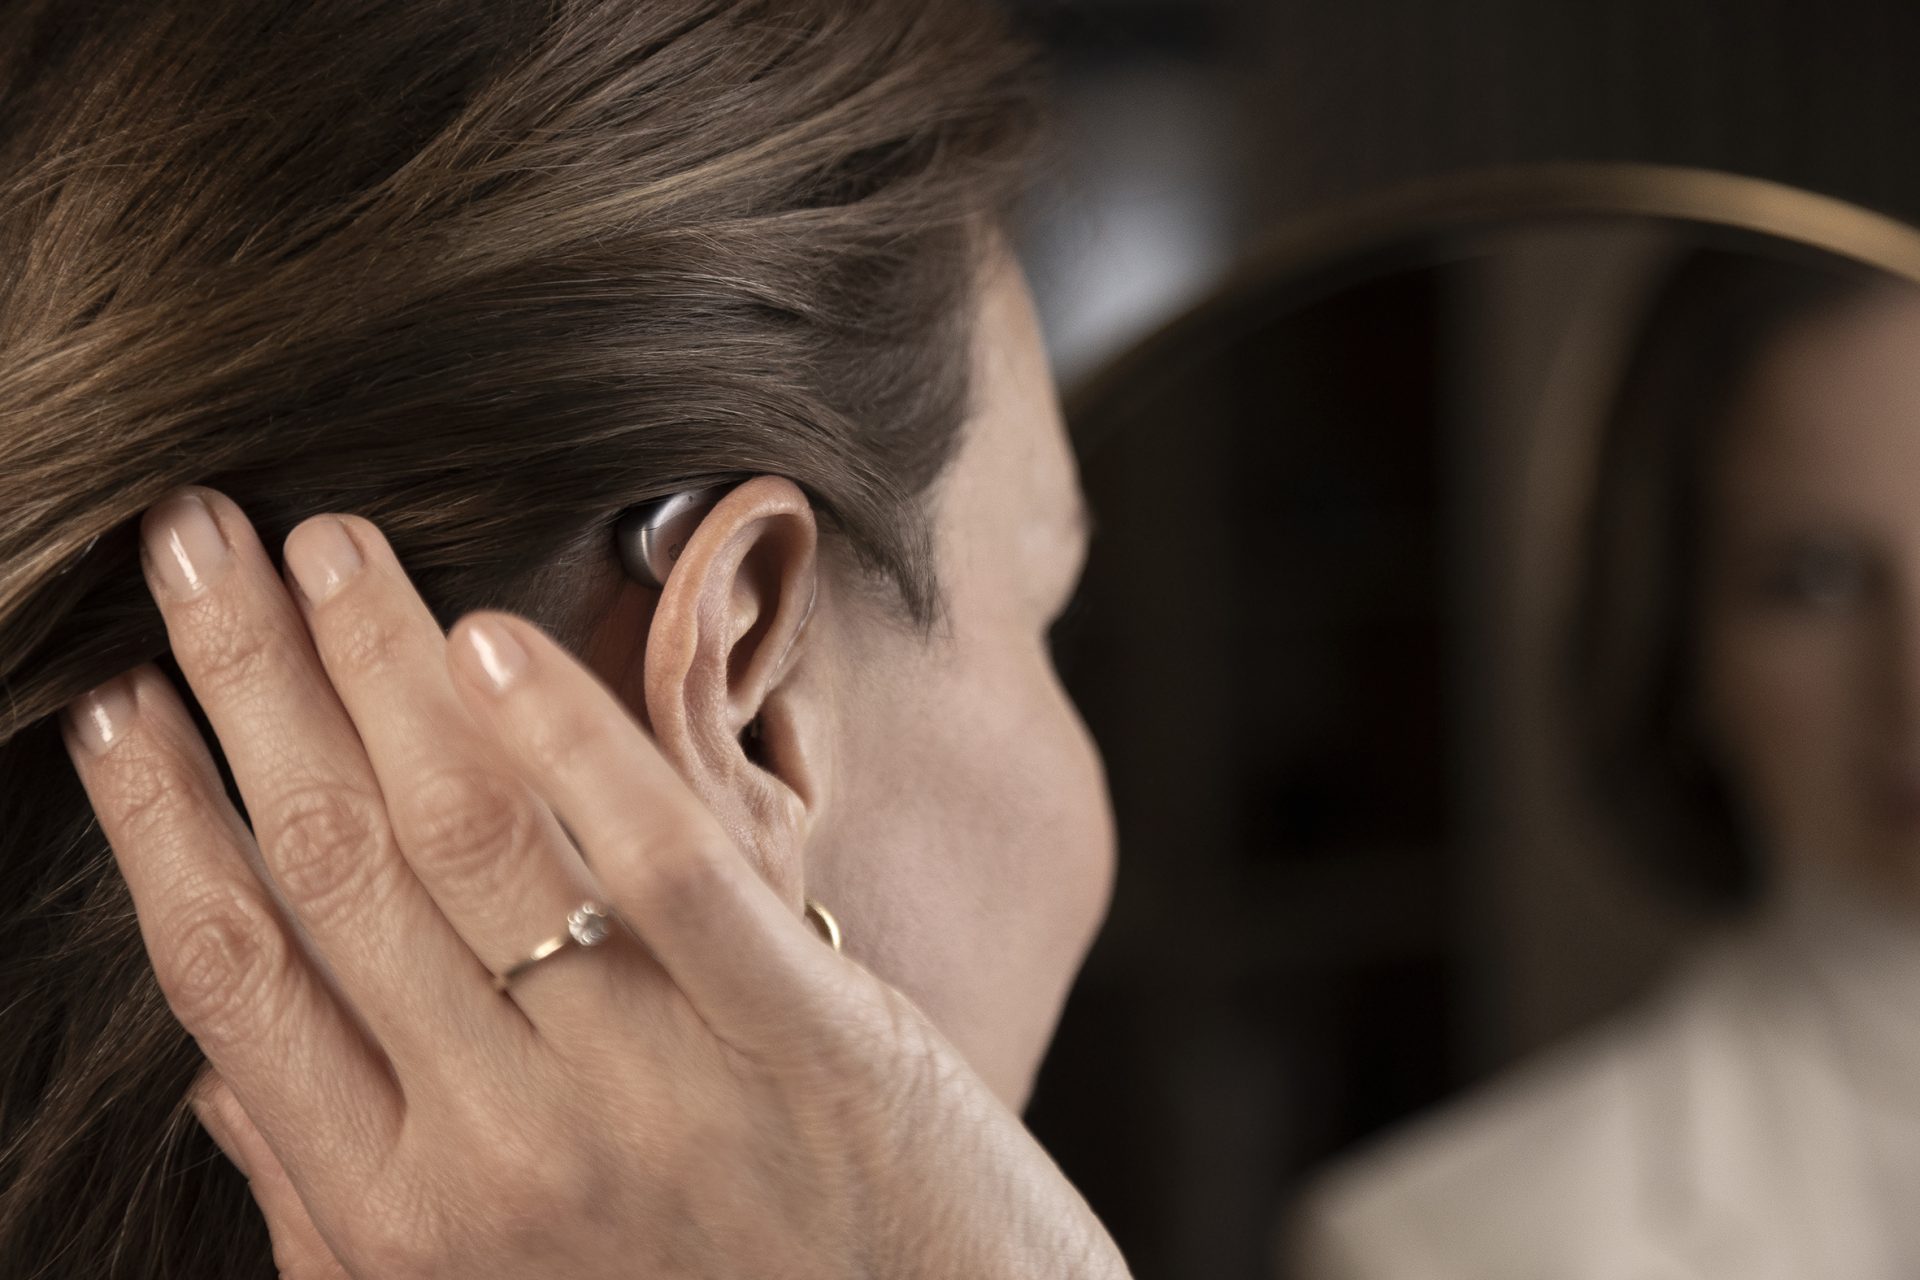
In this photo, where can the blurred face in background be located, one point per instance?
(1811, 624)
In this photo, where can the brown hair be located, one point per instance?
(1633, 642)
(484, 273)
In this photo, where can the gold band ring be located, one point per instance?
(588, 925)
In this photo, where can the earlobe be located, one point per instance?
(725, 638)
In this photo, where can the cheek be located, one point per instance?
(1030, 835)
(981, 849)
(1023, 814)
(1784, 704)
(1053, 767)
(1069, 860)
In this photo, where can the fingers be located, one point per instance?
(748, 962)
(213, 1102)
(319, 814)
(488, 849)
(231, 970)
(299, 1250)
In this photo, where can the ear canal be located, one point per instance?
(753, 743)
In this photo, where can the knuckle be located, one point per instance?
(362, 644)
(465, 824)
(560, 739)
(228, 957)
(324, 851)
(151, 789)
(223, 649)
(677, 868)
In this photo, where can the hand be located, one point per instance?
(711, 1092)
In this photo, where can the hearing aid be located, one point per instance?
(651, 536)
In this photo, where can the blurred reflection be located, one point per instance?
(1477, 582)
(1746, 681)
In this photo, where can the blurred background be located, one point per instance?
(1358, 874)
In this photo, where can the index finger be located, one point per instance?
(745, 959)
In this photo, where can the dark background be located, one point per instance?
(1320, 924)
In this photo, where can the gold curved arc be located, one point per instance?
(1306, 256)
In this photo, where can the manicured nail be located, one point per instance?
(500, 655)
(101, 715)
(184, 544)
(323, 555)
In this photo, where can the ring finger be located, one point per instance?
(492, 854)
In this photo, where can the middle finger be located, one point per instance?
(491, 853)
(317, 810)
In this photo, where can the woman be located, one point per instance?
(479, 279)
(1748, 683)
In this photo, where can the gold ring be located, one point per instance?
(588, 925)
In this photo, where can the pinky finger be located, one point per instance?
(748, 962)
(299, 1251)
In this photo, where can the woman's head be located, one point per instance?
(938, 791)
(488, 275)
(1810, 630)
(1749, 643)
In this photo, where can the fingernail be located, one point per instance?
(322, 555)
(500, 655)
(184, 544)
(101, 715)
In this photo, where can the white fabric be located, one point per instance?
(1760, 1118)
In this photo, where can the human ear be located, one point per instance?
(725, 639)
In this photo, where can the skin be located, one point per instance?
(1811, 623)
(914, 782)
(713, 1091)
